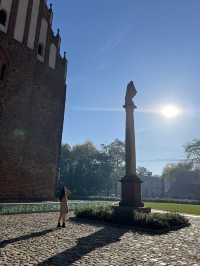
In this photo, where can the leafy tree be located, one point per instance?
(192, 151)
(65, 157)
(174, 171)
(85, 170)
(116, 154)
(88, 171)
(142, 171)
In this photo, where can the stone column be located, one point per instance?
(131, 184)
(130, 140)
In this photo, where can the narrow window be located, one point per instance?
(3, 70)
(52, 56)
(40, 49)
(3, 17)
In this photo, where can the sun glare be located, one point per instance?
(170, 111)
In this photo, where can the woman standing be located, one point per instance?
(63, 207)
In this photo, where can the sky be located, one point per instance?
(154, 43)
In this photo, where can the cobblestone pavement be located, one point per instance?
(32, 239)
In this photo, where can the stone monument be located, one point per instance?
(130, 183)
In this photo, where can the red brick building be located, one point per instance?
(32, 100)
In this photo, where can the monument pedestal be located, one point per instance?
(131, 192)
(131, 195)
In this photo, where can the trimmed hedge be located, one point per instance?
(6, 209)
(120, 216)
(23, 208)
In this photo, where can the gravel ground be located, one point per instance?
(32, 239)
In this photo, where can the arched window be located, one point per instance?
(40, 49)
(3, 17)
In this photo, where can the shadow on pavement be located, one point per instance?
(134, 229)
(6, 242)
(85, 245)
(105, 236)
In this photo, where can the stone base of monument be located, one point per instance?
(129, 209)
(131, 194)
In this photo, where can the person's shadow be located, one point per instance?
(105, 236)
(6, 242)
(85, 245)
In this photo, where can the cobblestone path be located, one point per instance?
(33, 240)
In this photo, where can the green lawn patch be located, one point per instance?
(161, 222)
(175, 207)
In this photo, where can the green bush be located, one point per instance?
(9, 208)
(152, 221)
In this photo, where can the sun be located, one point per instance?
(170, 111)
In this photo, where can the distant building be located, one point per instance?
(187, 186)
(152, 186)
(32, 100)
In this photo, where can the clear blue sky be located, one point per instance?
(154, 43)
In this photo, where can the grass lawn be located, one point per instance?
(175, 207)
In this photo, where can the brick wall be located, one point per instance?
(32, 99)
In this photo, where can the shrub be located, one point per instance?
(101, 213)
(123, 216)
